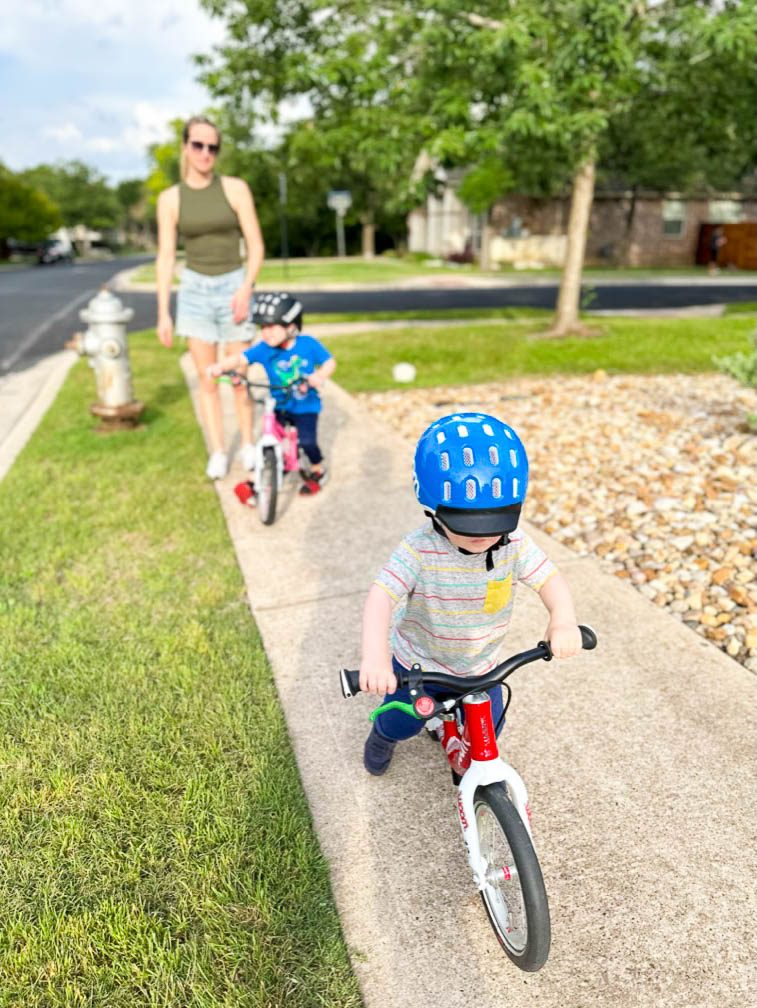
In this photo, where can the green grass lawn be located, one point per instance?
(325, 271)
(157, 847)
(385, 269)
(468, 354)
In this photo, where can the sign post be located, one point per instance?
(339, 200)
(283, 221)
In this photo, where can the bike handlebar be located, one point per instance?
(263, 385)
(461, 686)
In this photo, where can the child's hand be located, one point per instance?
(377, 677)
(314, 379)
(564, 639)
(214, 370)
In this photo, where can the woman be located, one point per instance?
(212, 213)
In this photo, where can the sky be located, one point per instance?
(97, 80)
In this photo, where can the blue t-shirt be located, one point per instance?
(284, 366)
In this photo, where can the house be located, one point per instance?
(626, 228)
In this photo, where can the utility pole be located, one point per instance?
(283, 222)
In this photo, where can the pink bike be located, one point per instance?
(492, 801)
(277, 450)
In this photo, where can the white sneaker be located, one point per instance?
(218, 465)
(248, 455)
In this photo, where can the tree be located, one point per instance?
(164, 163)
(81, 192)
(690, 126)
(25, 214)
(132, 199)
(339, 67)
(524, 99)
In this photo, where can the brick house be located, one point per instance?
(631, 229)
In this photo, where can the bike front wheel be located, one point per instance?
(269, 487)
(513, 895)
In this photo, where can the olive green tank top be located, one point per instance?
(210, 229)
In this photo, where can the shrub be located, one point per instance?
(741, 366)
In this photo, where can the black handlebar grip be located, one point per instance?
(350, 682)
(588, 638)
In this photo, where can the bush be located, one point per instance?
(741, 366)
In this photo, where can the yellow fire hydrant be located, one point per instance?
(105, 344)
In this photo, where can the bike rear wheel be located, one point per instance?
(268, 489)
(514, 895)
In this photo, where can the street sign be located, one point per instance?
(339, 200)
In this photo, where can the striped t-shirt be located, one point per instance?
(452, 613)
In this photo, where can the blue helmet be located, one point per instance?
(471, 471)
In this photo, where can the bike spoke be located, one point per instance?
(502, 891)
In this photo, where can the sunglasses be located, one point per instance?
(198, 145)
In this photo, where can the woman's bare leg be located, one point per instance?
(242, 402)
(203, 354)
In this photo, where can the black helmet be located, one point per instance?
(276, 309)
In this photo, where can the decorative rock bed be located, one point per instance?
(654, 476)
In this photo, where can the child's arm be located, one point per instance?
(562, 630)
(376, 675)
(322, 373)
(231, 362)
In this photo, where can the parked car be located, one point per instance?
(53, 250)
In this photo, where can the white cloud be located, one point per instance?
(67, 133)
(99, 81)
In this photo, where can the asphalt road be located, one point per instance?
(39, 306)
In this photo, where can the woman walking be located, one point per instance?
(211, 212)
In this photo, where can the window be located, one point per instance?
(673, 218)
(725, 211)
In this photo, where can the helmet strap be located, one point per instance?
(440, 529)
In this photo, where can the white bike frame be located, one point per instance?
(489, 769)
(272, 436)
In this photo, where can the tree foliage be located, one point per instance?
(339, 68)
(26, 214)
(82, 193)
(690, 125)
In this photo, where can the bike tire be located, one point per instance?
(517, 907)
(268, 490)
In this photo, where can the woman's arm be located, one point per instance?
(168, 214)
(240, 199)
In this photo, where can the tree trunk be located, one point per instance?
(487, 234)
(624, 253)
(566, 317)
(369, 236)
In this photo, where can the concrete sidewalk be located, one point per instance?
(639, 759)
(25, 397)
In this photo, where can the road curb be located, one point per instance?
(25, 397)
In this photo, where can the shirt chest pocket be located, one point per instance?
(498, 594)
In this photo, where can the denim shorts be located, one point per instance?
(203, 308)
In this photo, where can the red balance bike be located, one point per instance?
(492, 802)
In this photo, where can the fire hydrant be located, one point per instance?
(104, 343)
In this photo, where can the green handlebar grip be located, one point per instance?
(393, 705)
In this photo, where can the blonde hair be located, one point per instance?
(194, 121)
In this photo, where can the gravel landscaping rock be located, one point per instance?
(655, 476)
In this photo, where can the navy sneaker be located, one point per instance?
(378, 753)
(313, 483)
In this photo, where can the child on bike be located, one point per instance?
(453, 580)
(294, 359)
